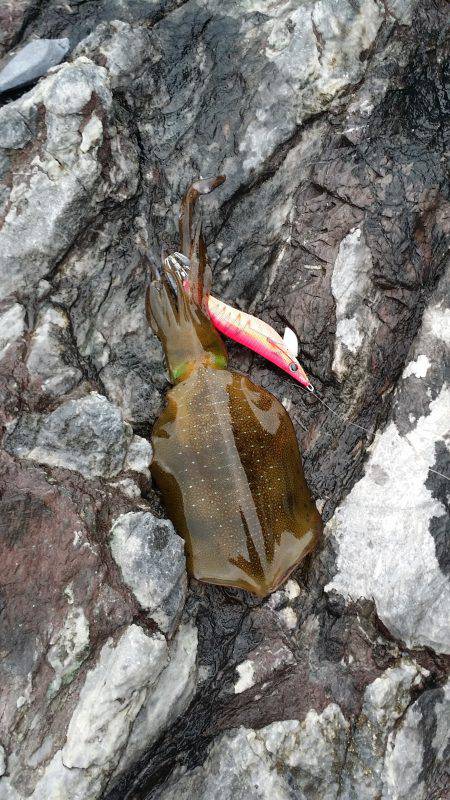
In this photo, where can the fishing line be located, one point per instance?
(310, 388)
(429, 468)
(313, 391)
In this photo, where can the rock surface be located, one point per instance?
(150, 556)
(31, 62)
(118, 681)
(276, 761)
(401, 498)
(47, 361)
(87, 435)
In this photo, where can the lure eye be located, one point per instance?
(293, 367)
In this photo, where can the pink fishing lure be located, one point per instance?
(237, 325)
(252, 332)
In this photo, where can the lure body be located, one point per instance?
(258, 336)
(226, 458)
(250, 331)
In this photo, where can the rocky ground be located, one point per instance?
(120, 678)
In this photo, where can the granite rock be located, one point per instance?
(48, 359)
(385, 702)
(276, 761)
(57, 183)
(416, 759)
(59, 606)
(96, 730)
(327, 118)
(124, 51)
(137, 688)
(168, 699)
(401, 499)
(150, 556)
(353, 293)
(12, 326)
(321, 758)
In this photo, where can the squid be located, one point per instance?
(226, 459)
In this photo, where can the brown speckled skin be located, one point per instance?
(227, 463)
(225, 454)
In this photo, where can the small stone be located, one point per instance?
(288, 617)
(92, 134)
(121, 47)
(47, 358)
(2, 760)
(69, 648)
(351, 284)
(139, 456)
(16, 129)
(166, 699)
(150, 556)
(246, 672)
(32, 61)
(128, 487)
(271, 656)
(418, 368)
(385, 701)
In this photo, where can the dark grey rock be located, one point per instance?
(32, 62)
(87, 435)
(18, 127)
(14, 15)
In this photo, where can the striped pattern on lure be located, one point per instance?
(251, 331)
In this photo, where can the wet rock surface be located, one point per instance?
(118, 679)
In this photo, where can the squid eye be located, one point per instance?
(293, 367)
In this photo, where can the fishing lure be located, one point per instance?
(225, 454)
(250, 331)
(243, 328)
